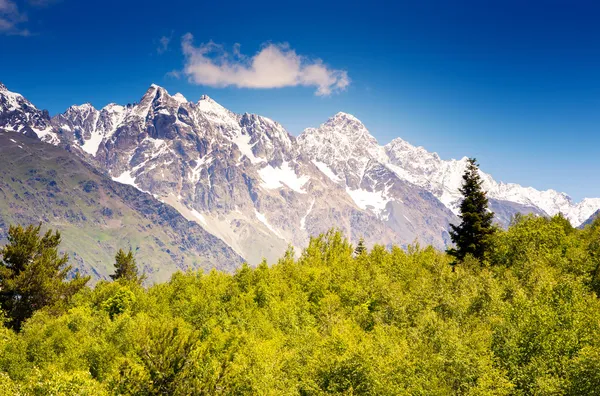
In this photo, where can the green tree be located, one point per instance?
(33, 274)
(360, 248)
(126, 268)
(472, 235)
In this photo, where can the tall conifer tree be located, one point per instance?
(360, 248)
(126, 268)
(472, 235)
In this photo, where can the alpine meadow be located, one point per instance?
(299, 198)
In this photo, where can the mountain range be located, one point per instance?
(243, 182)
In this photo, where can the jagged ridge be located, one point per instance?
(245, 179)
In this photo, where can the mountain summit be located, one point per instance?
(17, 114)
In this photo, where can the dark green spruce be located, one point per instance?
(360, 248)
(126, 268)
(472, 235)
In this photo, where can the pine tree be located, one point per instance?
(360, 248)
(33, 274)
(472, 236)
(126, 268)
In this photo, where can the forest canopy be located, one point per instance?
(334, 320)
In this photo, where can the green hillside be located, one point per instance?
(524, 321)
(97, 216)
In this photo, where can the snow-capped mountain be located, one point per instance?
(246, 180)
(240, 176)
(87, 127)
(443, 179)
(17, 114)
(344, 146)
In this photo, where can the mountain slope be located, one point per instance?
(591, 219)
(96, 215)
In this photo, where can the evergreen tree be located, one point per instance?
(472, 235)
(126, 268)
(33, 274)
(360, 248)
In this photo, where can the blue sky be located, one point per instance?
(514, 83)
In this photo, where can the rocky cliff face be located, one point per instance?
(245, 180)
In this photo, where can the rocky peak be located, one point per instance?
(155, 93)
(216, 113)
(342, 138)
(180, 98)
(209, 103)
(157, 100)
(83, 109)
(343, 118)
(269, 138)
(404, 154)
(113, 108)
(10, 101)
(347, 126)
(17, 114)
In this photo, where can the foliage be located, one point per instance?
(472, 235)
(32, 274)
(329, 321)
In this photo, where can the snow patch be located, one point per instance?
(242, 141)
(274, 178)
(194, 177)
(374, 201)
(93, 143)
(303, 219)
(263, 220)
(326, 170)
(126, 178)
(47, 135)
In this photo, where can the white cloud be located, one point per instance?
(163, 44)
(274, 66)
(11, 18)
